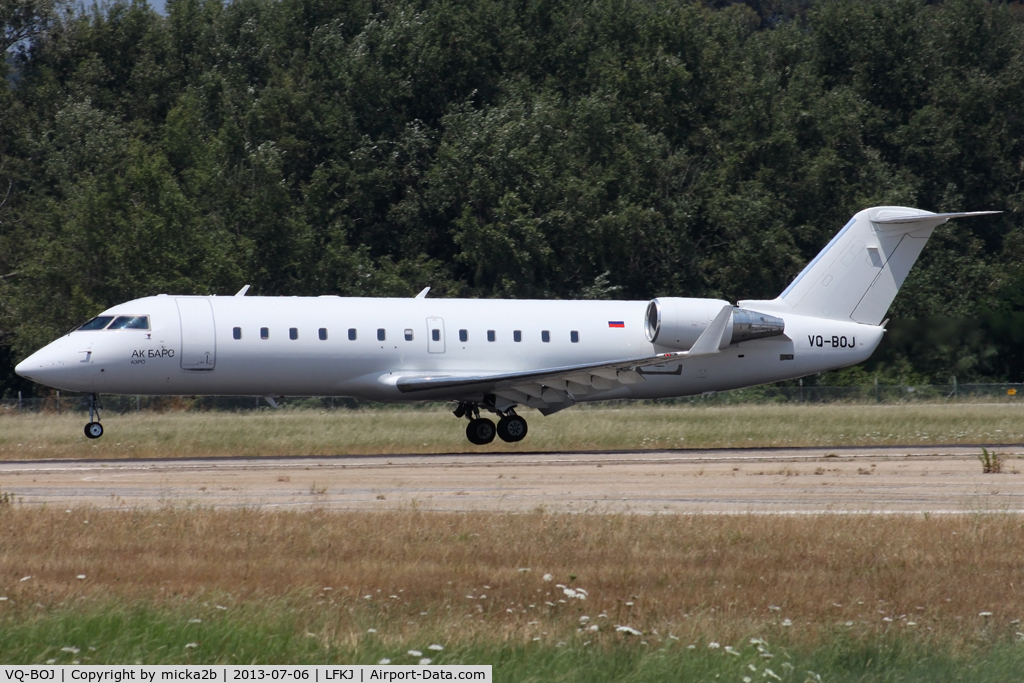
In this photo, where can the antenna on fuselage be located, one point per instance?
(423, 294)
(242, 291)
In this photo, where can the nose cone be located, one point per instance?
(46, 366)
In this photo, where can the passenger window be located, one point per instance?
(435, 335)
(490, 335)
(130, 322)
(517, 336)
(381, 334)
(352, 334)
(545, 336)
(574, 337)
(408, 335)
(293, 333)
(237, 333)
(97, 323)
(323, 334)
(264, 333)
(463, 335)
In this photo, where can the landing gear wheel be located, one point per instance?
(94, 430)
(512, 428)
(480, 431)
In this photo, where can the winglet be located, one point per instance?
(242, 291)
(711, 339)
(423, 294)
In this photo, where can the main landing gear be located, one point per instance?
(94, 429)
(480, 430)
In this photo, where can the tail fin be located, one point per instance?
(856, 276)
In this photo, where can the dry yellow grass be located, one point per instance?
(465, 575)
(309, 432)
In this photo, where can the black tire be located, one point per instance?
(94, 430)
(480, 431)
(512, 428)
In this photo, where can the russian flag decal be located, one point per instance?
(616, 323)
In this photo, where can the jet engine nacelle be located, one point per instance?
(676, 322)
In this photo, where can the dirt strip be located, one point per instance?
(944, 479)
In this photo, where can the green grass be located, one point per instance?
(340, 432)
(143, 634)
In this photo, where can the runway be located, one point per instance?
(935, 479)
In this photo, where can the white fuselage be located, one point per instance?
(191, 347)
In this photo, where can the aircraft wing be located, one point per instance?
(552, 389)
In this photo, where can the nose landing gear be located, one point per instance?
(481, 431)
(94, 429)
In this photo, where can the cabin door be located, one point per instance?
(435, 335)
(198, 339)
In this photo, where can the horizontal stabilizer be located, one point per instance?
(898, 219)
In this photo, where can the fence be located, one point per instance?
(61, 402)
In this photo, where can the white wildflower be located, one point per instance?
(435, 647)
(72, 650)
(222, 607)
(384, 661)
(191, 646)
(414, 653)
(584, 619)
(371, 630)
(425, 661)
(548, 577)
(984, 614)
(594, 627)
(713, 645)
(768, 673)
(747, 679)
(774, 608)
(627, 629)
(787, 622)
(25, 578)
(80, 577)
(731, 650)
(195, 621)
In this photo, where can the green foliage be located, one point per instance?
(498, 148)
(991, 462)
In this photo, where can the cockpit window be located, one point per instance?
(130, 322)
(97, 323)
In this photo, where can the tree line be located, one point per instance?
(510, 148)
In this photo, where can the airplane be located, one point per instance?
(496, 355)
